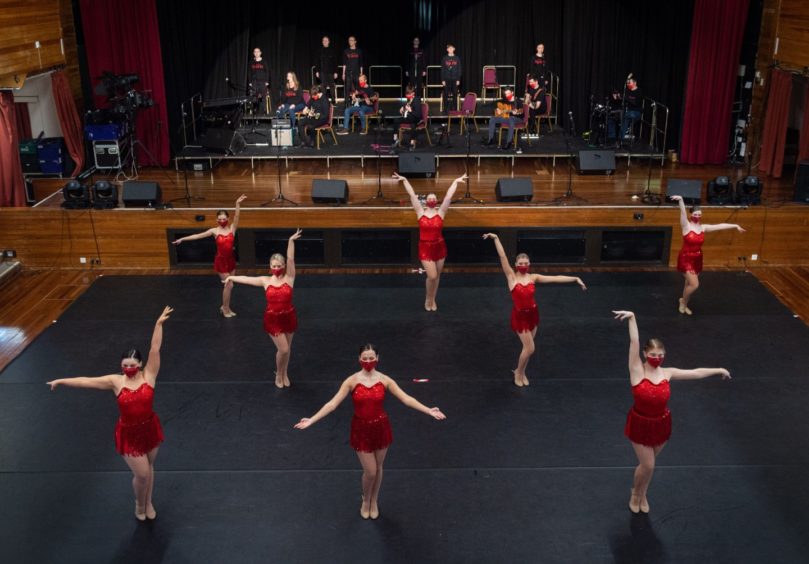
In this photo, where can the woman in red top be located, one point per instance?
(524, 313)
(432, 248)
(280, 319)
(225, 262)
(648, 423)
(370, 429)
(138, 433)
(689, 261)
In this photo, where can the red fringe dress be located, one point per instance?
(138, 430)
(524, 313)
(224, 262)
(690, 257)
(431, 242)
(649, 421)
(370, 427)
(279, 315)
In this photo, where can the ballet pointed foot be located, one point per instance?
(517, 379)
(151, 512)
(644, 505)
(373, 511)
(140, 512)
(365, 510)
(681, 306)
(634, 502)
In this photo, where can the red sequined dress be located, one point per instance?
(370, 428)
(138, 430)
(649, 421)
(431, 242)
(224, 261)
(690, 257)
(524, 313)
(279, 315)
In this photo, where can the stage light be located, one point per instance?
(105, 195)
(748, 191)
(720, 191)
(76, 195)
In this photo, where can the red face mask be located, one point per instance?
(523, 268)
(131, 371)
(278, 271)
(654, 361)
(222, 222)
(696, 218)
(368, 365)
(509, 97)
(363, 84)
(410, 96)
(533, 83)
(432, 203)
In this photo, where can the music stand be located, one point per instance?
(279, 198)
(468, 197)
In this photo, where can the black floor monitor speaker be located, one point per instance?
(417, 164)
(595, 162)
(690, 190)
(802, 182)
(141, 194)
(329, 191)
(223, 140)
(514, 190)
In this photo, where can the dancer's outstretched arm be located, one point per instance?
(329, 406)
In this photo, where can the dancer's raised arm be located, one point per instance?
(414, 200)
(239, 200)
(683, 213)
(635, 363)
(450, 193)
(290, 272)
(501, 252)
(153, 360)
(208, 233)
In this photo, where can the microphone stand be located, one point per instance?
(280, 198)
(379, 149)
(648, 197)
(569, 197)
(468, 197)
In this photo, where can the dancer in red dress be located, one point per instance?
(225, 262)
(689, 261)
(280, 319)
(370, 429)
(648, 423)
(432, 248)
(138, 433)
(524, 313)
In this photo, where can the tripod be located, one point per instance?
(280, 198)
(468, 197)
(569, 197)
(379, 149)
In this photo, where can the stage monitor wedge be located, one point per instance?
(518, 189)
(595, 161)
(326, 191)
(141, 194)
(417, 165)
(690, 190)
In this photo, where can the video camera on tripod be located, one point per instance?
(121, 94)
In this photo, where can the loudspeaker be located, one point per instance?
(223, 140)
(802, 183)
(141, 194)
(417, 164)
(329, 191)
(690, 190)
(514, 190)
(595, 162)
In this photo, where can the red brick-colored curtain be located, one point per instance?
(803, 147)
(775, 123)
(12, 189)
(69, 119)
(23, 119)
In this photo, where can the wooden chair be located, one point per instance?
(326, 127)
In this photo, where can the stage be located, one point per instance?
(513, 475)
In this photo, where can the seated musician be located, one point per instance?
(291, 99)
(315, 114)
(409, 113)
(535, 97)
(509, 112)
(361, 102)
(633, 105)
(613, 109)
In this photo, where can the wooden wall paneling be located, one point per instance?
(23, 24)
(793, 34)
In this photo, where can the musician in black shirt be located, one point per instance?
(315, 114)
(361, 102)
(409, 113)
(633, 105)
(325, 71)
(535, 97)
(291, 99)
(509, 112)
(352, 65)
(538, 67)
(450, 77)
(416, 68)
(259, 81)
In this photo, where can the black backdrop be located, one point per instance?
(591, 44)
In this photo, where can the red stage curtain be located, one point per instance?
(23, 120)
(122, 37)
(69, 119)
(716, 40)
(12, 189)
(775, 123)
(803, 147)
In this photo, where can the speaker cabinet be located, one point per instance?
(802, 183)
(329, 191)
(223, 140)
(595, 162)
(417, 164)
(141, 194)
(690, 190)
(514, 190)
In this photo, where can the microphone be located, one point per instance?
(629, 76)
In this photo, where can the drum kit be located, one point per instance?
(605, 120)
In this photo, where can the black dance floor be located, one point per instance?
(538, 474)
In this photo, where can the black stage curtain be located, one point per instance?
(591, 44)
